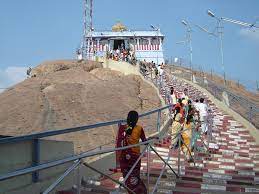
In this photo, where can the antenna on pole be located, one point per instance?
(86, 49)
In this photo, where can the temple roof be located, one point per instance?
(119, 27)
(110, 34)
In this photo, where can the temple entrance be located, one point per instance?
(119, 44)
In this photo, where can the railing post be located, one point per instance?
(78, 179)
(166, 96)
(158, 120)
(148, 168)
(179, 152)
(250, 113)
(208, 132)
(35, 158)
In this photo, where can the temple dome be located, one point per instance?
(119, 27)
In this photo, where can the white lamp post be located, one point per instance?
(189, 40)
(220, 32)
(157, 30)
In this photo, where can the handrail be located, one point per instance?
(74, 129)
(166, 163)
(161, 173)
(66, 160)
(109, 177)
(135, 164)
(240, 98)
(71, 159)
(67, 172)
(77, 158)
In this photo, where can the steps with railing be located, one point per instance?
(231, 168)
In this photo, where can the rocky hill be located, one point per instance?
(64, 94)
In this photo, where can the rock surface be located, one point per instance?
(65, 94)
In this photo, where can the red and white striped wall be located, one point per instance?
(147, 47)
(103, 48)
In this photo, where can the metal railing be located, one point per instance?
(77, 160)
(36, 166)
(158, 81)
(248, 109)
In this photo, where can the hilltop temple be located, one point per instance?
(146, 45)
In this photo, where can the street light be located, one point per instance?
(184, 23)
(220, 32)
(189, 40)
(210, 13)
(157, 30)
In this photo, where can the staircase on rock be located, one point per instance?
(232, 168)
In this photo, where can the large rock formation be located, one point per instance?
(65, 94)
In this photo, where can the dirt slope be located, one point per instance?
(66, 94)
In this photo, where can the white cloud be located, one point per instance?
(11, 76)
(252, 34)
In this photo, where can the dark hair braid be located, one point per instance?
(132, 120)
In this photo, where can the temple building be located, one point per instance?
(146, 45)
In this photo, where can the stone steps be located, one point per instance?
(231, 168)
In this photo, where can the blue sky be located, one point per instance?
(32, 31)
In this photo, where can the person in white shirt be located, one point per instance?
(185, 94)
(196, 104)
(203, 112)
(161, 71)
(173, 99)
(118, 52)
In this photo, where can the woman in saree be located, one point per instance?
(187, 136)
(130, 134)
(179, 108)
(176, 128)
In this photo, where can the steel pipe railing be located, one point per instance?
(161, 173)
(67, 172)
(135, 164)
(67, 160)
(109, 177)
(72, 130)
(166, 163)
(77, 158)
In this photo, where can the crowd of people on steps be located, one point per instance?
(190, 121)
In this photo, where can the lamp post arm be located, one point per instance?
(238, 22)
(205, 30)
(182, 42)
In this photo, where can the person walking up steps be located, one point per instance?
(176, 128)
(203, 112)
(173, 99)
(187, 136)
(130, 134)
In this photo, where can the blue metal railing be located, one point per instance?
(36, 166)
(50, 133)
(36, 136)
(250, 109)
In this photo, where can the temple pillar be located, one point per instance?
(98, 44)
(149, 41)
(160, 44)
